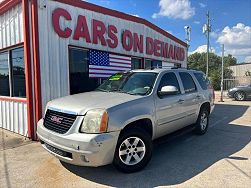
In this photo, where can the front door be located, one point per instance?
(168, 108)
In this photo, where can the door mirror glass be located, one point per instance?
(168, 90)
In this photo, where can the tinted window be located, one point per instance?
(169, 79)
(187, 81)
(79, 72)
(4, 74)
(204, 82)
(18, 72)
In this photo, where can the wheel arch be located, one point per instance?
(207, 106)
(143, 123)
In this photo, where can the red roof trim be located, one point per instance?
(7, 5)
(99, 9)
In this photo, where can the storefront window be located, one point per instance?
(12, 85)
(79, 72)
(4, 75)
(18, 72)
(156, 64)
(148, 63)
(137, 63)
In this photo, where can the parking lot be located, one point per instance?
(221, 158)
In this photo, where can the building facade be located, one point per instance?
(53, 48)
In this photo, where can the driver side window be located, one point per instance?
(169, 79)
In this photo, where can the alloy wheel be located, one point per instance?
(132, 150)
(203, 121)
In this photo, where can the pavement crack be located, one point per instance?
(244, 173)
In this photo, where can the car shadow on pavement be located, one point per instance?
(180, 156)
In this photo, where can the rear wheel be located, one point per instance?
(133, 151)
(202, 122)
(239, 96)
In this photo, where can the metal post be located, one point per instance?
(222, 73)
(208, 31)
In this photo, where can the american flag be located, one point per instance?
(103, 64)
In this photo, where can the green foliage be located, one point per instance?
(197, 61)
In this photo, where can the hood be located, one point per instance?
(80, 103)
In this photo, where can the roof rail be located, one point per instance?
(179, 68)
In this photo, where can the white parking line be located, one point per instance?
(218, 121)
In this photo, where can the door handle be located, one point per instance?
(181, 101)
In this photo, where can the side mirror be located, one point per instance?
(168, 90)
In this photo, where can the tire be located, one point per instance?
(129, 157)
(202, 122)
(239, 96)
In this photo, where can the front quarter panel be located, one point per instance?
(126, 113)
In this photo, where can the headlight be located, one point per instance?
(95, 121)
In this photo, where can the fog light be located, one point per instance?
(84, 158)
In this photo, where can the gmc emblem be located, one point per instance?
(56, 119)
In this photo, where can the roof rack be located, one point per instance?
(179, 68)
(163, 67)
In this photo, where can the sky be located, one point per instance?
(230, 21)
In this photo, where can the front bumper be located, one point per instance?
(78, 148)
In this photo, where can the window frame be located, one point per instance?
(194, 81)
(207, 81)
(177, 79)
(10, 70)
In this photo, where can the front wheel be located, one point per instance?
(133, 151)
(239, 96)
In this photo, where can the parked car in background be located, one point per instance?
(240, 93)
(118, 122)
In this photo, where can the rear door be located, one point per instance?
(191, 98)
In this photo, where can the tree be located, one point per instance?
(197, 61)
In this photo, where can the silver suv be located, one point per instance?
(118, 121)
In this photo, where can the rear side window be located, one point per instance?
(203, 81)
(169, 79)
(187, 81)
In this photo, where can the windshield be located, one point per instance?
(134, 83)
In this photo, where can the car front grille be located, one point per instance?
(58, 122)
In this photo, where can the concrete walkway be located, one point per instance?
(221, 158)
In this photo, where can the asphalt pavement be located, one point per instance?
(220, 158)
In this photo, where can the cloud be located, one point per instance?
(196, 22)
(136, 15)
(247, 59)
(177, 9)
(237, 40)
(202, 5)
(169, 31)
(203, 48)
(214, 34)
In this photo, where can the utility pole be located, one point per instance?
(207, 30)
(222, 73)
(188, 30)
